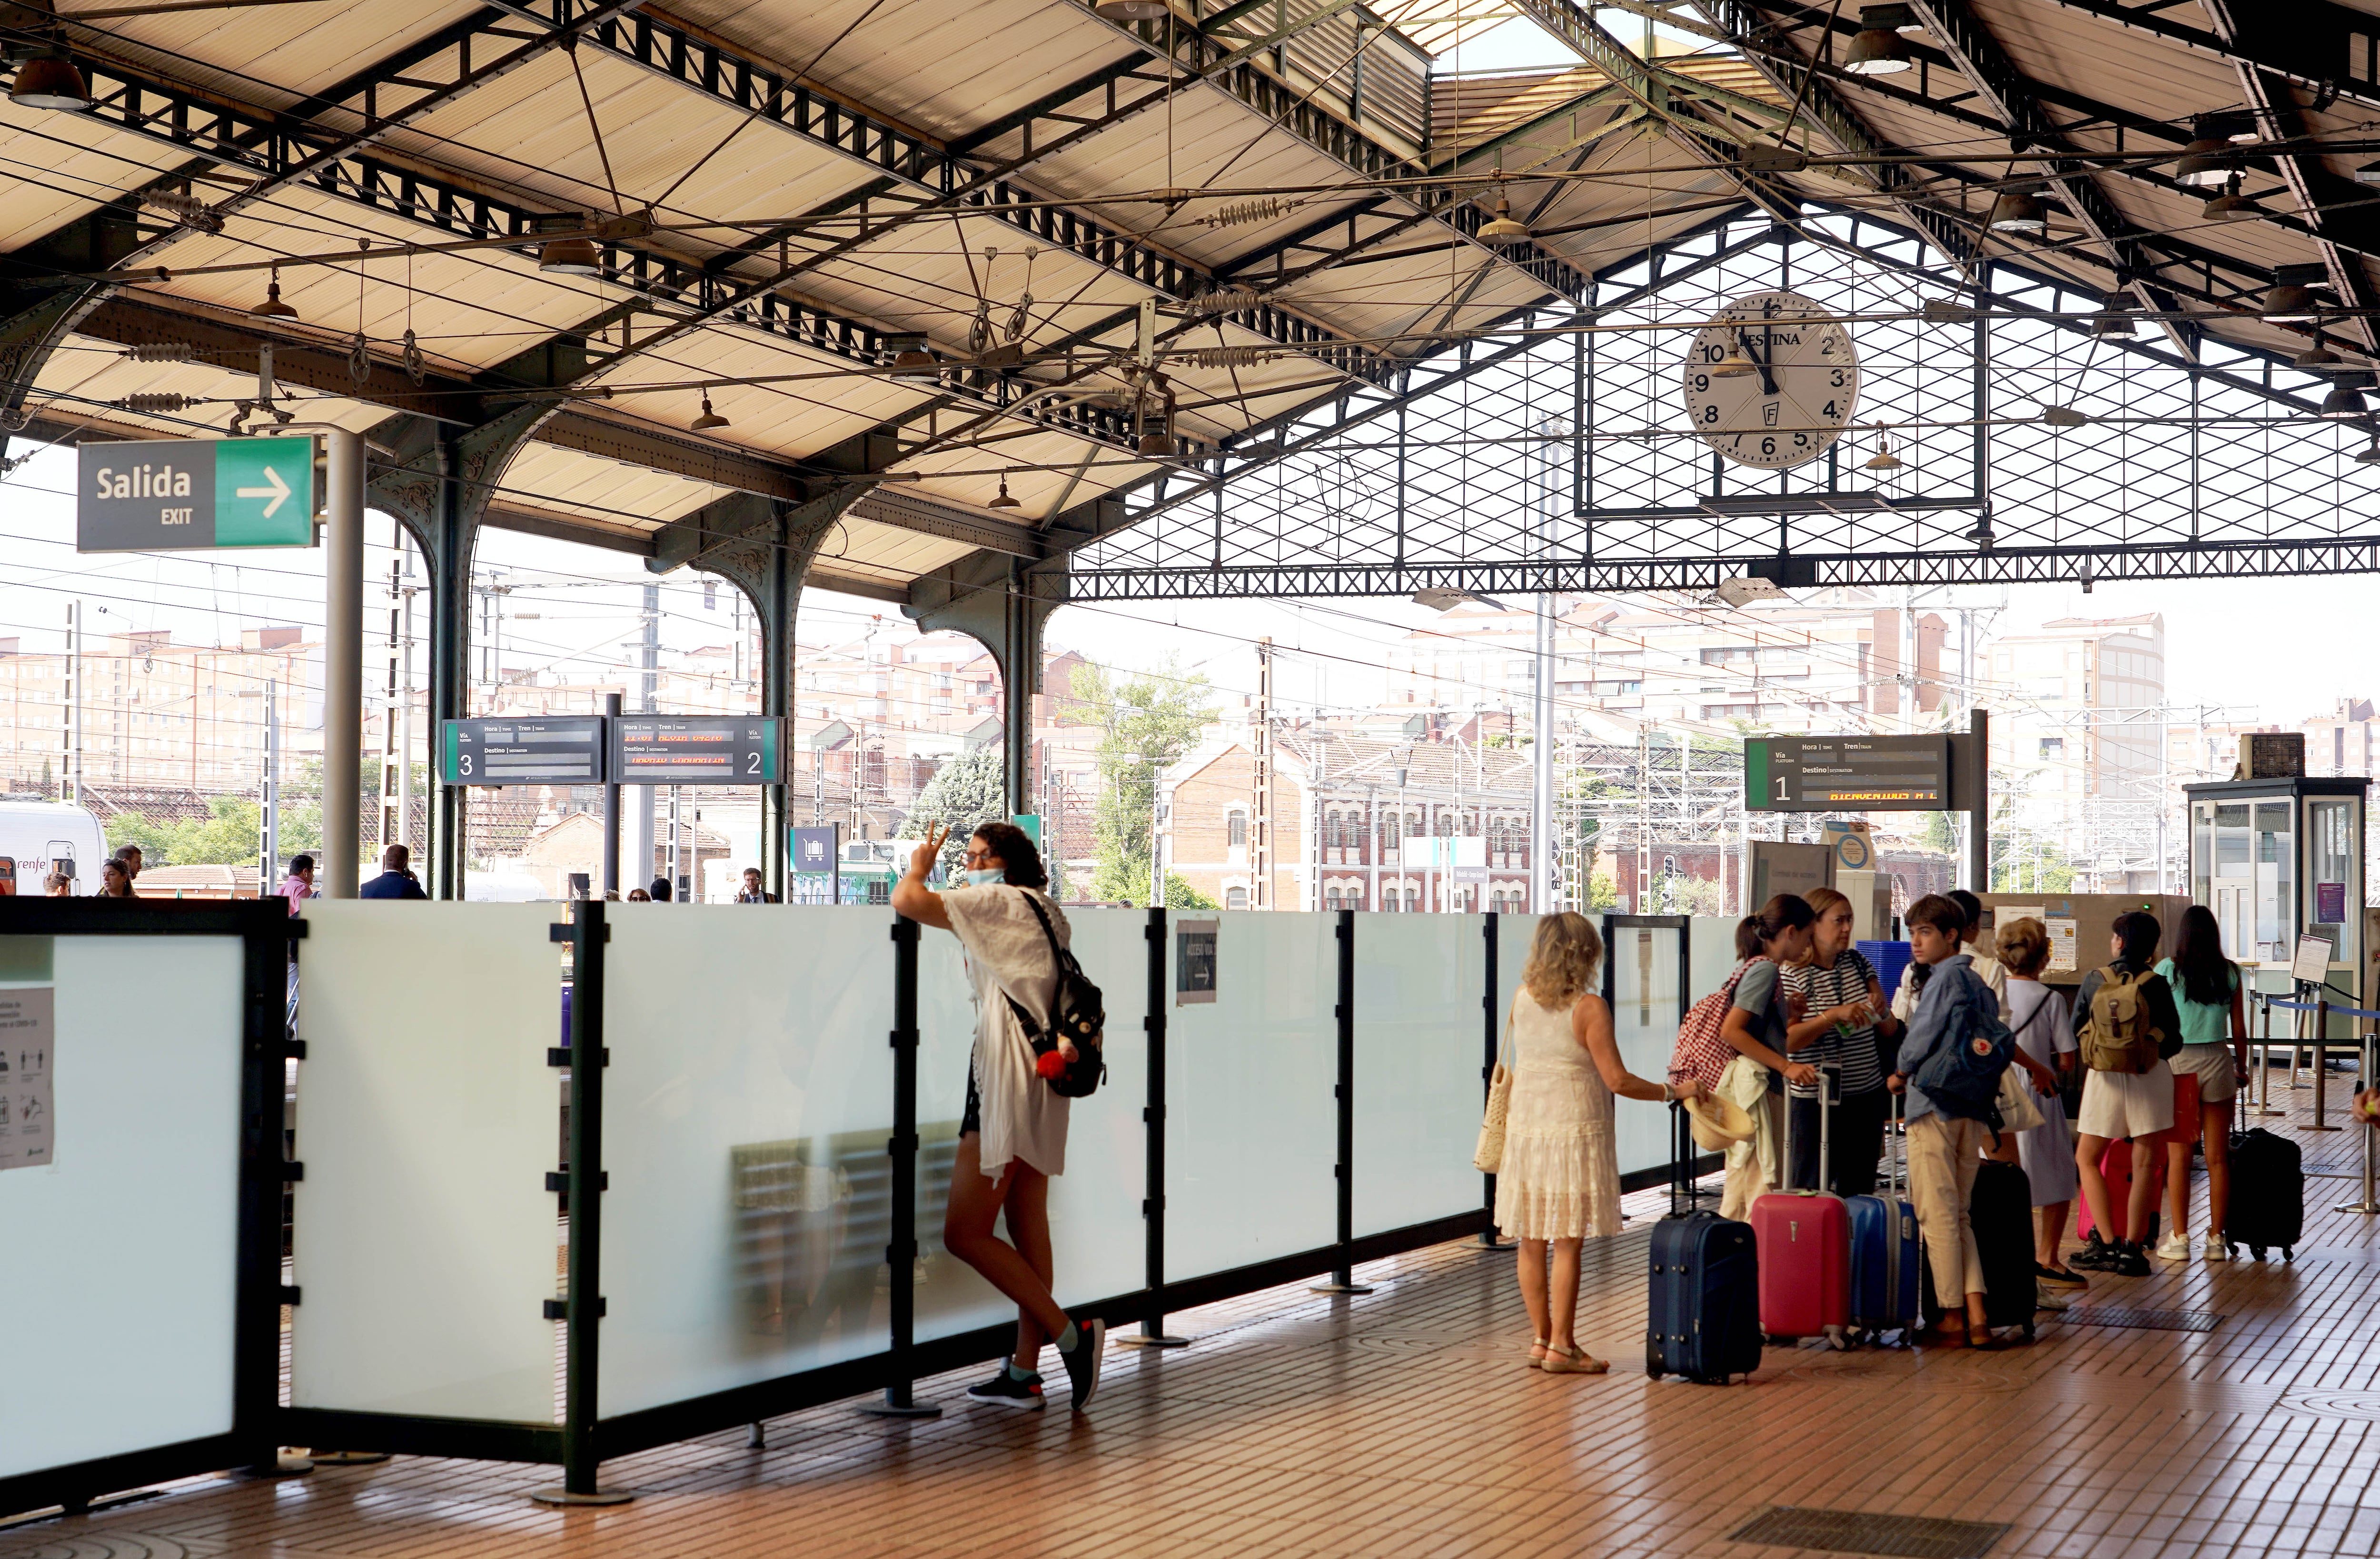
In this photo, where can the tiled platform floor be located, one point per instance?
(1403, 1423)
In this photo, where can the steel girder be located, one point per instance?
(907, 160)
(2017, 291)
(2309, 44)
(2049, 565)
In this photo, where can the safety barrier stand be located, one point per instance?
(2264, 1079)
(901, 1253)
(1152, 1206)
(1490, 1238)
(1342, 1272)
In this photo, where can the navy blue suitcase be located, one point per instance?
(1885, 1258)
(1704, 1315)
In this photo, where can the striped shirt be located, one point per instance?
(1847, 981)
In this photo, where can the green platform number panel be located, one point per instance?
(194, 494)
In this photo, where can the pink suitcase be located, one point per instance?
(2116, 1164)
(1804, 1240)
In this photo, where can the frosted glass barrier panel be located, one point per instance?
(1710, 954)
(1646, 1012)
(428, 1121)
(745, 1117)
(120, 1251)
(1513, 935)
(1421, 993)
(1096, 1233)
(1252, 1129)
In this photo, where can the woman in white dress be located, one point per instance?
(2043, 1026)
(1013, 1137)
(1559, 1178)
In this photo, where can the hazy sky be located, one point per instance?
(2270, 649)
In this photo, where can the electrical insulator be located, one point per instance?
(163, 352)
(157, 401)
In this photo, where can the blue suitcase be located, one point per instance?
(1885, 1260)
(1704, 1316)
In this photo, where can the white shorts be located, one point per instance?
(2127, 1103)
(2219, 1078)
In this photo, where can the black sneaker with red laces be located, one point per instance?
(1004, 1390)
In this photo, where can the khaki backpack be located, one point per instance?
(2120, 1037)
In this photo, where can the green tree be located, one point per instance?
(966, 791)
(1147, 722)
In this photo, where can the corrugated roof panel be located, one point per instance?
(824, 405)
(477, 306)
(885, 552)
(280, 55)
(1041, 468)
(925, 276)
(607, 491)
(927, 63)
(58, 166)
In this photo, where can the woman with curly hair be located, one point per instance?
(1560, 1179)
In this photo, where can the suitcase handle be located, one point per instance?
(1683, 1185)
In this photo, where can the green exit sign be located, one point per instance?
(189, 494)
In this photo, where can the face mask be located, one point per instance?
(985, 875)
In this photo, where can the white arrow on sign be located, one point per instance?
(278, 491)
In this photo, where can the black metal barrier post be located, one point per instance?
(1152, 1116)
(1489, 1237)
(580, 1309)
(901, 1252)
(269, 1044)
(1342, 1274)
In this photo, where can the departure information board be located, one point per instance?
(1846, 774)
(698, 750)
(555, 750)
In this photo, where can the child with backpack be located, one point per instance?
(1735, 1044)
(1949, 1066)
(2129, 1030)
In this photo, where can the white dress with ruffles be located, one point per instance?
(1561, 1175)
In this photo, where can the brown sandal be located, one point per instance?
(1572, 1361)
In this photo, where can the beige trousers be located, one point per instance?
(1944, 1154)
(1753, 1164)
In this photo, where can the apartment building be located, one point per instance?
(1375, 814)
(2080, 732)
(157, 715)
(1843, 660)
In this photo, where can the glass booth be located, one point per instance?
(2277, 858)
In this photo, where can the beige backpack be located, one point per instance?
(2120, 1037)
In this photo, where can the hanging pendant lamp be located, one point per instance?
(2014, 210)
(273, 308)
(1500, 228)
(708, 419)
(1003, 501)
(50, 81)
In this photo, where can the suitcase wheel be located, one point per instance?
(1653, 1369)
(2257, 1252)
(2289, 1252)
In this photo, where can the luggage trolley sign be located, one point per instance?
(560, 750)
(1846, 774)
(698, 750)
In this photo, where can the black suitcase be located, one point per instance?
(2001, 1211)
(1704, 1314)
(2267, 1194)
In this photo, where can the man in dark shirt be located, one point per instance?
(394, 881)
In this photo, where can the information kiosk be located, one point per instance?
(2281, 858)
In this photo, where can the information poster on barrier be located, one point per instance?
(1193, 961)
(2061, 944)
(2310, 964)
(27, 1057)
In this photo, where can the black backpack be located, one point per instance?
(1077, 1012)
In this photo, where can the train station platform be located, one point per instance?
(2205, 1410)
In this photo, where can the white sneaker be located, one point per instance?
(2047, 1298)
(2216, 1250)
(2173, 1248)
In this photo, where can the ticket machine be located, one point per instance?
(2280, 858)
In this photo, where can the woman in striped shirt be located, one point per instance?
(1842, 1011)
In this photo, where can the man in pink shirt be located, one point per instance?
(299, 883)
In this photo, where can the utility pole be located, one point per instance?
(1260, 825)
(71, 760)
(392, 825)
(640, 834)
(268, 844)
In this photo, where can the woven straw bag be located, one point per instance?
(1489, 1155)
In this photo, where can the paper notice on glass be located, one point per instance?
(2006, 916)
(1193, 961)
(2061, 944)
(2311, 963)
(27, 1047)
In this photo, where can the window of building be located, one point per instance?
(2052, 747)
(1445, 825)
(1355, 899)
(1413, 900)
(1726, 654)
(1330, 898)
(1236, 898)
(1238, 826)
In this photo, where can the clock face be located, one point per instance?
(1800, 394)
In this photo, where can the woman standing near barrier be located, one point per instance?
(1559, 1178)
(1013, 1135)
(2206, 994)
